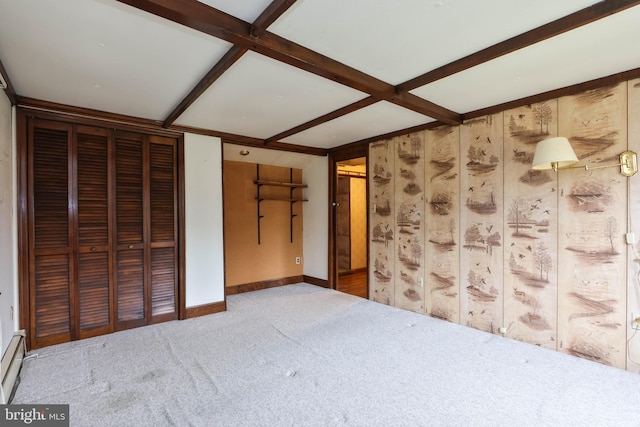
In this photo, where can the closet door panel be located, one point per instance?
(93, 287)
(129, 219)
(52, 302)
(92, 177)
(162, 177)
(163, 281)
(163, 227)
(130, 278)
(50, 239)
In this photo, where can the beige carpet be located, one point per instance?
(301, 355)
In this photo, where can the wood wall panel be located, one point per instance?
(592, 218)
(481, 223)
(442, 213)
(633, 251)
(409, 222)
(381, 222)
(558, 273)
(530, 228)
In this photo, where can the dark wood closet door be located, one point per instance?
(102, 236)
(94, 237)
(130, 238)
(51, 291)
(163, 230)
(146, 229)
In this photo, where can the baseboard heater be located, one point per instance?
(10, 366)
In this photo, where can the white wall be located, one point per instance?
(203, 220)
(8, 246)
(316, 218)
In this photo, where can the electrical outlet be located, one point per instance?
(373, 207)
(421, 282)
(635, 321)
(298, 260)
(631, 239)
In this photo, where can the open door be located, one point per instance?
(348, 256)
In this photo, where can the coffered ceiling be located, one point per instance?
(308, 74)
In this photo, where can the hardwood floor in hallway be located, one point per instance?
(354, 283)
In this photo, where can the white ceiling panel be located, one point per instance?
(247, 10)
(398, 40)
(376, 119)
(584, 54)
(107, 55)
(103, 55)
(261, 97)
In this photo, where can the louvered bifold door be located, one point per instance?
(51, 239)
(129, 230)
(163, 228)
(93, 225)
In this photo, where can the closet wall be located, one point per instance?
(102, 230)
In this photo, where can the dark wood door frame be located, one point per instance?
(335, 156)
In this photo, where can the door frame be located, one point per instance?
(347, 152)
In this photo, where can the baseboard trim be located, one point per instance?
(204, 309)
(315, 281)
(256, 286)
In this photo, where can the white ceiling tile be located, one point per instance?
(103, 55)
(261, 97)
(398, 40)
(247, 10)
(376, 119)
(584, 54)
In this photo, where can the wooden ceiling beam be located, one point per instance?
(323, 119)
(562, 25)
(204, 18)
(214, 74)
(270, 15)
(266, 18)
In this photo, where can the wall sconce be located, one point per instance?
(556, 153)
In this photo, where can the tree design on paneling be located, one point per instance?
(481, 223)
(442, 186)
(381, 222)
(530, 214)
(409, 213)
(592, 286)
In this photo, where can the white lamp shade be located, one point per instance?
(554, 152)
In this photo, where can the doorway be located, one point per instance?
(351, 226)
